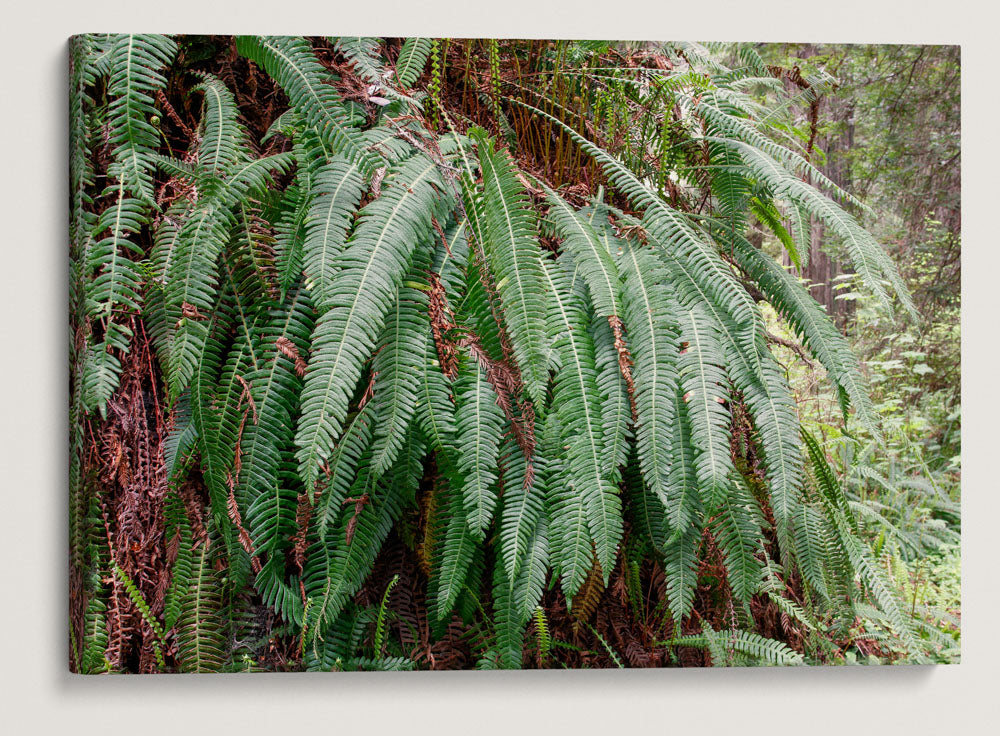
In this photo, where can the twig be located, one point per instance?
(794, 347)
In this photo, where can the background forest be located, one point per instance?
(437, 354)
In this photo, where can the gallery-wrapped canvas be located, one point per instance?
(410, 353)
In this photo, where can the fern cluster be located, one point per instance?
(375, 320)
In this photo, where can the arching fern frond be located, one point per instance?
(201, 641)
(872, 263)
(411, 61)
(364, 54)
(269, 431)
(516, 598)
(572, 551)
(453, 553)
(738, 532)
(291, 62)
(577, 401)
(398, 364)
(653, 339)
(509, 238)
(372, 268)
(336, 191)
(811, 322)
(478, 424)
(703, 378)
(135, 62)
(590, 255)
(760, 648)
(222, 137)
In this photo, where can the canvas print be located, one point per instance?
(431, 354)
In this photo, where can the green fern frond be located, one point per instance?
(653, 339)
(435, 410)
(680, 565)
(335, 190)
(411, 61)
(135, 62)
(811, 543)
(509, 238)
(398, 363)
(572, 551)
(577, 401)
(177, 530)
(478, 424)
(616, 408)
(704, 382)
(768, 214)
(365, 54)
(269, 431)
(292, 63)
(190, 287)
(582, 242)
(453, 552)
(522, 505)
(738, 532)
(201, 641)
(871, 262)
(284, 598)
(336, 568)
(222, 137)
(766, 651)
(372, 268)
(114, 291)
(343, 468)
(95, 639)
(777, 427)
(147, 614)
(860, 555)
(290, 223)
(807, 317)
(515, 599)
(380, 621)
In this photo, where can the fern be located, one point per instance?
(515, 599)
(572, 554)
(383, 341)
(291, 63)
(268, 433)
(412, 58)
(147, 615)
(860, 555)
(576, 400)
(373, 266)
(397, 365)
(702, 378)
(589, 254)
(135, 62)
(478, 421)
(338, 566)
(738, 532)
(453, 553)
(201, 645)
(523, 507)
(336, 190)
(508, 234)
(765, 650)
(364, 54)
(95, 641)
(653, 338)
(380, 621)
(869, 259)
